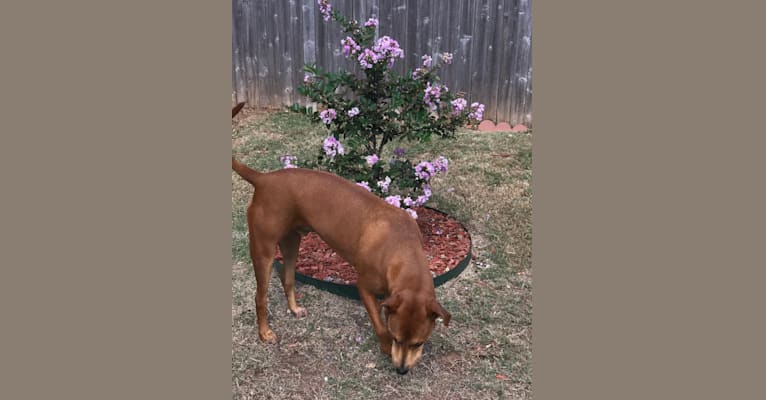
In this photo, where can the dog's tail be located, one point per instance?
(244, 171)
(235, 110)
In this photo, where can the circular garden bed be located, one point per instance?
(446, 242)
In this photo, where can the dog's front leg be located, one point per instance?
(373, 310)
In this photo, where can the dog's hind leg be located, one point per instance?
(263, 255)
(289, 247)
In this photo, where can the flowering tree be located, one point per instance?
(378, 107)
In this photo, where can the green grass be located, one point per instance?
(488, 190)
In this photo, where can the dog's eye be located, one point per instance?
(416, 345)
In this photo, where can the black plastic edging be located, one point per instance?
(351, 292)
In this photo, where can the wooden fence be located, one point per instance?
(490, 41)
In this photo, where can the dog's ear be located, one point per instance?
(392, 302)
(439, 311)
(236, 109)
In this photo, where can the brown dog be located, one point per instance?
(382, 242)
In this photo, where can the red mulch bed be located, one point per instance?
(446, 243)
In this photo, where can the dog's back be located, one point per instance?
(345, 215)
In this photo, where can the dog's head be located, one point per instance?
(410, 319)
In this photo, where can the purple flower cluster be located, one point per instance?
(400, 151)
(368, 58)
(383, 185)
(458, 105)
(425, 170)
(395, 201)
(371, 22)
(432, 95)
(328, 115)
(422, 199)
(427, 60)
(447, 58)
(385, 49)
(372, 160)
(353, 112)
(349, 46)
(324, 8)
(477, 111)
(332, 147)
(308, 78)
(407, 202)
(287, 161)
(365, 185)
(388, 47)
(425, 196)
(441, 164)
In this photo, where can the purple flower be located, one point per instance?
(389, 49)
(424, 170)
(368, 58)
(412, 213)
(388, 46)
(400, 151)
(427, 191)
(424, 197)
(308, 78)
(441, 164)
(371, 160)
(385, 49)
(383, 185)
(417, 73)
(371, 22)
(395, 201)
(324, 8)
(332, 147)
(432, 94)
(353, 112)
(458, 105)
(426, 61)
(349, 46)
(365, 185)
(328, 115)
(408, 201)
(287, 161)
(477, 111)
(447, 58)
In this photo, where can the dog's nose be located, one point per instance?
(401, 370)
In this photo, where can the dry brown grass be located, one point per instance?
(485, 353)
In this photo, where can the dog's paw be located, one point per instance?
(268, 336)
(300, 312)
